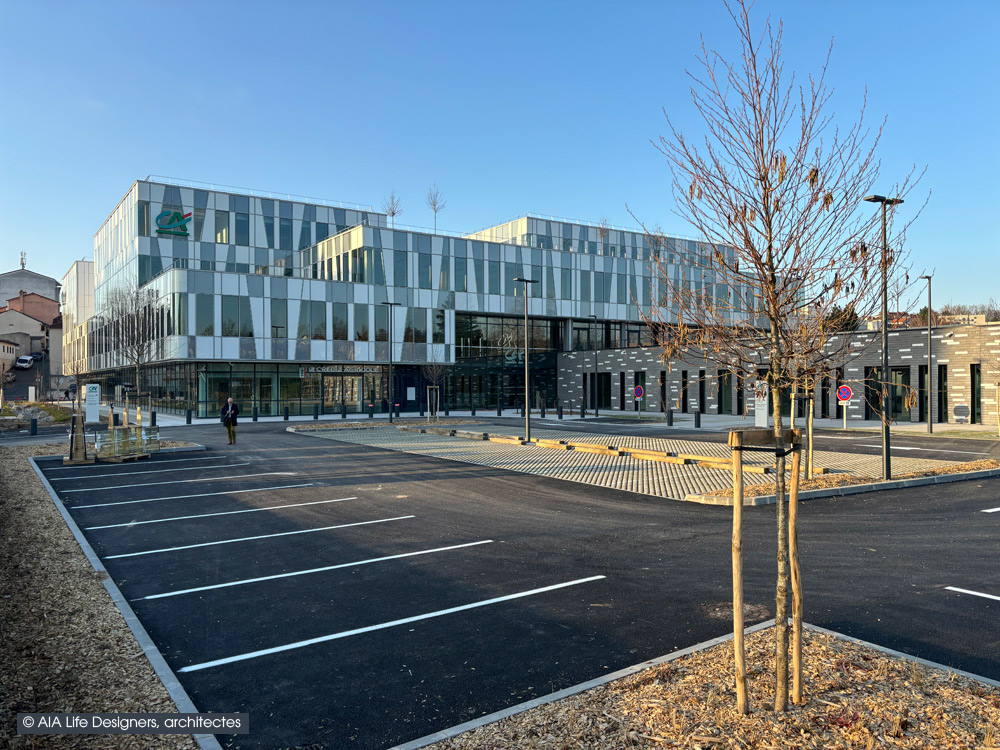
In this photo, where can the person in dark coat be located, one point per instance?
(229, 413)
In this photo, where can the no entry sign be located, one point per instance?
(844, 393)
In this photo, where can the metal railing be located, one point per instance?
(174, 182)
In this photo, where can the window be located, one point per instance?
(242, 229)
(512, 288)
(399, 275)
(246, 318)
(566, 291)
(305, 235)
(340, 321)
(599, 287)
(461, 274)
(222, 227)
(536, 274)
(284, 234)
(142, 214)
(269, 230)
(204, 314)
(322, 231)
(279, 318)
(381, 323)
(585, 286)
(424, 270)
(444, 277)
(319, 321)
(360, 322)
(416, 325)
(494, 269)
(439, 326)
(230, 315)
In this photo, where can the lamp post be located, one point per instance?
(594, 386)
(527, 400)
(930, 365)
(886, 462)
(390, 305)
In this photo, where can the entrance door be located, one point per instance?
(701, 391)
(640, 380)
(976, 415)
(873, 393)
(333, 386)
(824, 398)
(684, 392)
(899, 386)
(740, 389)
(725, 392)
(924, 394)
(942, 393)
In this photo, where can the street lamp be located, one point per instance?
(390, 305)
(930, 420)
(527, 400)
(594, 386)
(886, 463)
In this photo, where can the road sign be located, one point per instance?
(844, 393)
(638, 391)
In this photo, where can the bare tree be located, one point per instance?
(435, 373)
(774, 192)
(131, 315)
(435, 202)
(392, 207)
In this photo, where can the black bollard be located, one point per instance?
(522, 410)
(255, 414)
(583, 409)
(697, 419)
(499, 410)
(343, 410)
(187, 417)
(34, 427)
(315, 411)
(447, 412)
(371, 411)
(117, 420)
(152, 419)
(397, 410)
(421, 408)
(473, 410)
(286, 413)
(543, 410)
(670, 417)
(559, 410)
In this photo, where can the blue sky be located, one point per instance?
(508, 107)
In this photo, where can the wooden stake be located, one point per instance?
(739, 650)
(793, 555)
(809, 429)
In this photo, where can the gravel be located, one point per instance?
(66, 646)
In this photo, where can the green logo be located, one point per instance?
(172, 222)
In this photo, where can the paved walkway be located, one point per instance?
(614, 472)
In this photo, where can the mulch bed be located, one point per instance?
(66, 648)
(855, 697)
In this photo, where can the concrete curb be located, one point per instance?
(854, 489)
(173, 686)
(468, 726)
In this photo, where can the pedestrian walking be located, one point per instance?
(229, 413)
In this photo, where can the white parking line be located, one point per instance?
(927, 450)
(248, 539)
(157, 461)
(382, 626)
(183, 481)
(973, 593)
(185, 497)
(315, 570)
(153, 471)
(209, 515)
(991, 510)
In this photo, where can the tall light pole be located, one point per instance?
(594, 385)
(527, 400)
(886, 462)
(930, 364)
(390, 305)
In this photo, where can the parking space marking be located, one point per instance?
(182, 481)
(133, 473)
(157, 461)
(209, 515)
(185, 497)
(244, 581)
(926, 450)
(254, 538)
(991, 510)
(973, 593)
(382, 626)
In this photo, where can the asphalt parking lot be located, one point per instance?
(346, 595)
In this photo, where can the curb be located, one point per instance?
(167, 677)
(450, 732)
(853, 489)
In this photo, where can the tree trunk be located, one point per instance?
(793, 551)
(781, 593)
(739, 650)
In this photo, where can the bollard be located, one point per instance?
(473, 410)
(187, 417)
(446, 410)
(286, 413)
(152, 419)
(421, 408)
(343, 410)
(255, 414)
(670, 417)
(583, 409)
(559, 410)
(371, 411)
(499, 410)
(543, 410)
(522, 410)
(315, 411)
(397, 410)
(697, 419)
(34, 427)
(117, 420)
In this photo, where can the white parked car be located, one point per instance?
(24, 363)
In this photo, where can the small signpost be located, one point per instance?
(639, 393)
(844, 395)
(92, 401)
